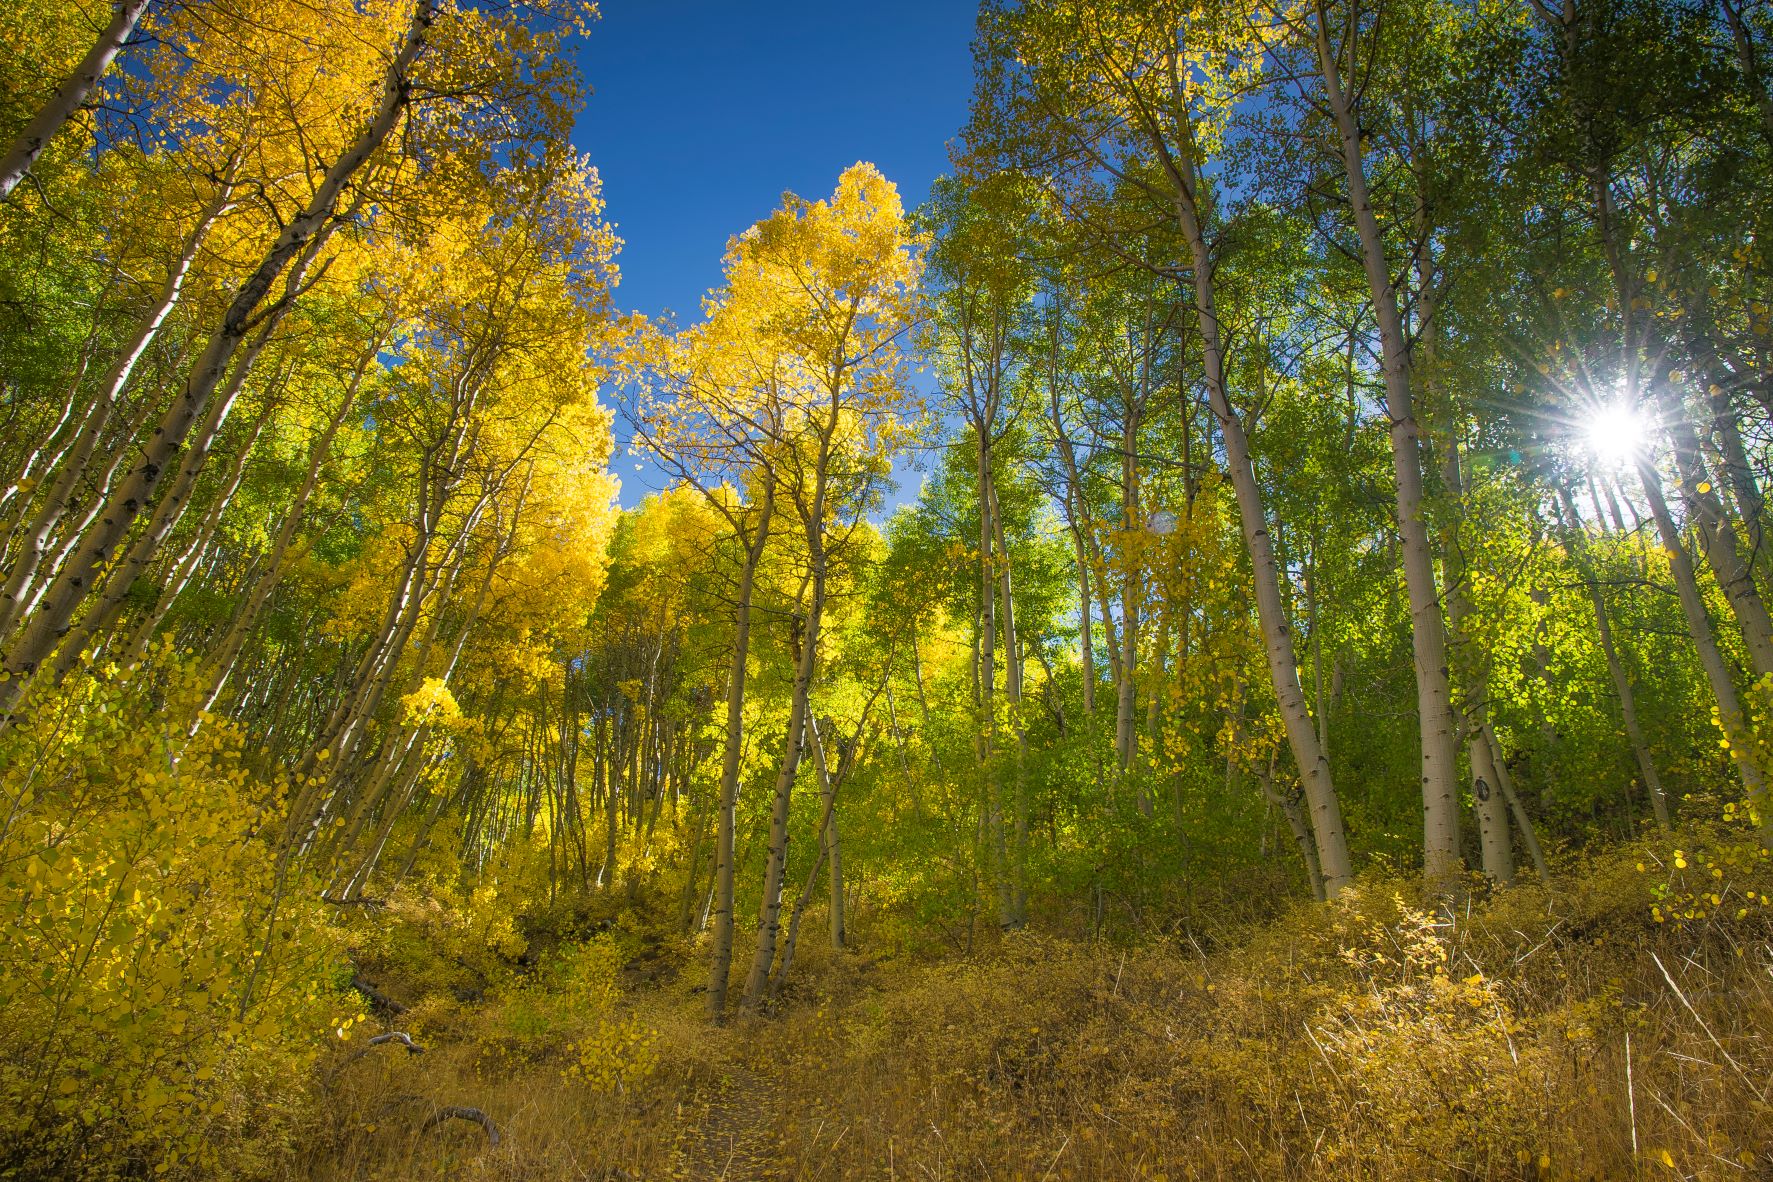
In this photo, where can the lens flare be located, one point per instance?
(1616, 435)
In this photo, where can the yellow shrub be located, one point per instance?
(163, 991)
(619, 1052)
(1427, 1057)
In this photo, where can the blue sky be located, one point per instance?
(704, 113)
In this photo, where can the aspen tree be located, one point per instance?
(131, 499)
(1334, 59)
(839, 276)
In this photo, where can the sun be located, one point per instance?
(1616, 435)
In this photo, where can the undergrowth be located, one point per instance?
(176, 1007)
(1617, 1024)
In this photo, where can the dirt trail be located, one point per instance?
(732, 1140)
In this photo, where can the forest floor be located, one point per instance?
(1618, 1024)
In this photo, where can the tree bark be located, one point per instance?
(1277, 636)
(828, 837)
(1012, 646)
(1731, 719)
(721, 958)
(25, 568)
(1505, 781)
(1496, 849)
(1301, 830)
(1439, 740)
(69, 96)
(776, 860)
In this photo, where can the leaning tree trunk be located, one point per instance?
(1505, 782)
(69, 96)
(137, 491)
(22, 577)
(1718, 538)
(1277, 636)
(1301, 830)
(1731, 719)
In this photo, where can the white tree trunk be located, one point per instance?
(1434, 703)
(69, 96)
(1303, 739)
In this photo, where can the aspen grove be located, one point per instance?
(1228, 639)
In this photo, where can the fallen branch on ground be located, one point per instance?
(453, 1112)
(399, 1036)
(376, 997)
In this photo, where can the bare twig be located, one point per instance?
(1631, 1099)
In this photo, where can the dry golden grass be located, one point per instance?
(1368, 1040)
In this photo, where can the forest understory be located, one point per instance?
(1557, 1032)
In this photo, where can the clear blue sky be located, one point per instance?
(703, 113)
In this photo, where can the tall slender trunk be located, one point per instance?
(721, 958)
(220, 661)
(1635, 331)
(1126, 738)
(1077, 519)
(990, 783)
(611, 798)
(799, 707)
(1085, 626)
(1716, 529)
(187, 563)
(1277, 635)
(827, 819)
(1745, 489)
(1505, 781)
(69, 97)
(1731, 719)
(1495, 845)
(1313, 620)
(108, 598)
(1299, 827)
(1577, 543)
(1434, 703)
(1496, 849)
(25, 568)
(833, 850)
(1748, 58)
(1012, 646)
